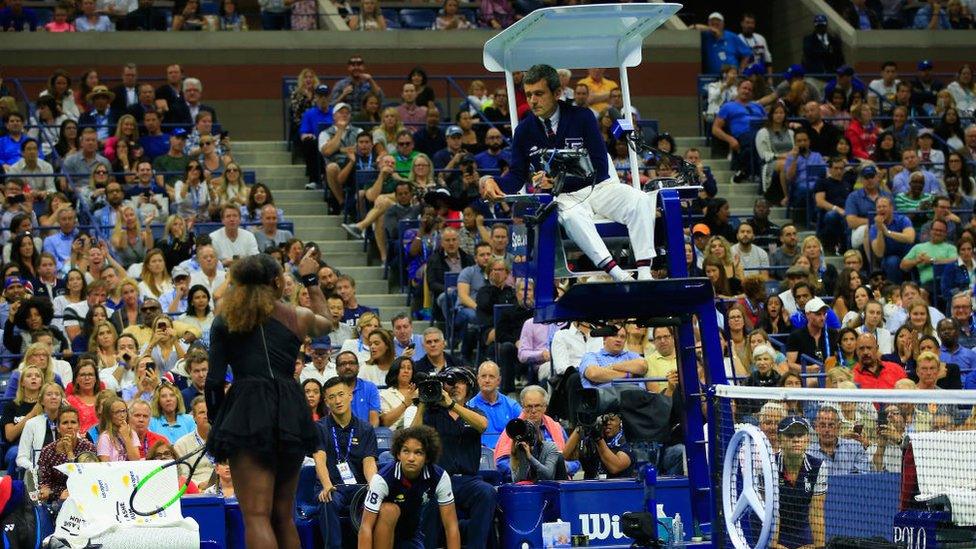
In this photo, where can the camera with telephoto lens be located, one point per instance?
(520, 430)
(430, 387)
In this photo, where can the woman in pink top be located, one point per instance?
(117, 441)
(60, 22)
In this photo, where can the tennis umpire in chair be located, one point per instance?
(558, 125)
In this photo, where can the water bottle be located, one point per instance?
(677, 531)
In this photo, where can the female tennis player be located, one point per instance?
(262, 425)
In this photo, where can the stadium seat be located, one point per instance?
(392, 18)
(417, 18)
(384, 438)
(307, 509)
(487, 470)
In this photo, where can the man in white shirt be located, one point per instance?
(209, 276)
(231, 241)
(756, 41)
(884, 88)
(751, 257)
(321, 367)
(568, 347)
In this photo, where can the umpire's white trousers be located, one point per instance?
(615, 201)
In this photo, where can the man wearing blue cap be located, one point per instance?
(172, 165)
(315, 117)
(861, 203)
(925, 87)
(450, 156)
(846, 82)
(721, 47)
(795, 73)
(822, 51)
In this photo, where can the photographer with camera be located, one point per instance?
(601, 449)
(533, 458)
(556, 125)
(535, 403)
(442, 407)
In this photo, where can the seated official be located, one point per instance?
(802, 488)
(345, 458)
(601, 449)
(397, 494)
(614, 361)
(553, 124)
(460, 429)
(498, 408)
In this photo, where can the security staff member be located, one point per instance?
(344, 460)
(553, 124)
(460, 428)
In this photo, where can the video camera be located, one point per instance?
(430, 387)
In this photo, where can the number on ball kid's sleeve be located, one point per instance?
(378, 490)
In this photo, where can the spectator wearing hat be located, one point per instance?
(925, 86)
(451, 155)
(101, 116)
(815, 339)
(862, 202)
(172, 166)
(175, 300)
(822, 51)
(700, 235)
(336, 143)
(721, 47)
(319, 115)
(846, 81)
(931, 158)
(796, 73)
(802, 487)
(320, 368)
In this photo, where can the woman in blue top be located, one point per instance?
(169, 413)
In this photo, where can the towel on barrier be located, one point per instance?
(945, 462)
(98, 508)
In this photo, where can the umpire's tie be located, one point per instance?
(550, 135)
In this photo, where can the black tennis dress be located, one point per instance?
(265, 411)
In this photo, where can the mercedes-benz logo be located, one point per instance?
(748, 450)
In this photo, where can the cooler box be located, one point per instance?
(524, 507)
(208, 511)
(235, 525)
(594, 507)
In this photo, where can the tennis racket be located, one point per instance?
(185, 460)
